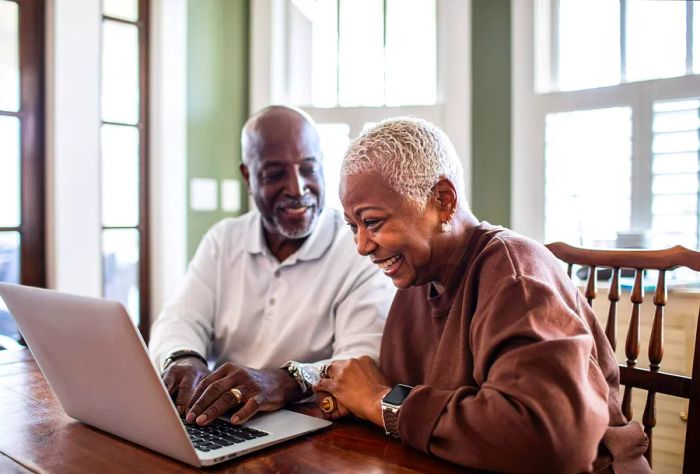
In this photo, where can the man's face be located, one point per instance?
(285, 174)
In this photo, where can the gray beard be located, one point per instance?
(298, 233)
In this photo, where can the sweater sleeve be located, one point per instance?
(540, 400)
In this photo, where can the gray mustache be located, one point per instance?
(295, 203)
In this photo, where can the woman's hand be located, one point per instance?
(357, 385)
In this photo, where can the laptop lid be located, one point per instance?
(96, 362)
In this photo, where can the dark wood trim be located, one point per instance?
(662, 382)
(121, 227)
(138, 22)
(31, 59)
(144, 185)
(122, 124)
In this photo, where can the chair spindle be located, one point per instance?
(632, 342)
(591, 284)
(613, 297)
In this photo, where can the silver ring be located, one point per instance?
(323, 373)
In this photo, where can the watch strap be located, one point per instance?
(390, 416)
(180, 355)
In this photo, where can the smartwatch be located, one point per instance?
(179, 355)
(391, 405)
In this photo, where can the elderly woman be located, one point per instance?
(490, 356)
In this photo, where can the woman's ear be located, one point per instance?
(446, 196)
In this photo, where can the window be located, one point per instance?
(352, 63)
(606, 122)
(358, 54)
(124, 135)
(22, 255)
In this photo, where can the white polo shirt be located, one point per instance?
(239, 304)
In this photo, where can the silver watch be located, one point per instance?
(391, 406)
(306, 375)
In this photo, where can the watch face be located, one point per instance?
(397, 394)
(310, 374)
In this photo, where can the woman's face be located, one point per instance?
(396, 235)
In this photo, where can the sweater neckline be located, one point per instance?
(456, 270)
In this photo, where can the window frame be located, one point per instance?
(531, 107)
(143, 127)
(31, 114)
(268, 74)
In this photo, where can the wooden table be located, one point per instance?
(37, 436)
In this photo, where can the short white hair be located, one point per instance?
(411, 154)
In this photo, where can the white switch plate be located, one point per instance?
(230, 195)
(203, 194)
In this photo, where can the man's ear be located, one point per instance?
(446, 196)
(246, 175)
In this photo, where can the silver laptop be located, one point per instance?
(96, 363)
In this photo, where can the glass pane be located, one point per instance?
(675, 204)
(675, 163)
(589, 44)
(312, 52)
(582, 205)
(124, 9)
(696, 39)
(675, 142)
(676, 121)
(655, 39)
(9, 57)
(9, 273)
(335, 138)
(361, 50)
(120, 72)
(120, 176)
(9, 172)
(674, 184)
(120, 259)
(410, 52)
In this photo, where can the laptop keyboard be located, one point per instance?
(220, 433)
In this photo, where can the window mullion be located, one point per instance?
(689, 37)
(641, 198)
(623, 41)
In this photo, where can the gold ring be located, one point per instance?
(237, 394)
(327, 405)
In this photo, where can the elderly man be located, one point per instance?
(271, 295)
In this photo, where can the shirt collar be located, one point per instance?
(313, 248)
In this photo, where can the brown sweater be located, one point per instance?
(511, 370)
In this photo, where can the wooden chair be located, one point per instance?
(653, 379)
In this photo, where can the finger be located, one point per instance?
(170, 382)
(325, 385)
(226, 401)
(184, 392)
(203, 385)
(211, 393)
(250, 408)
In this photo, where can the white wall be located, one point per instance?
(168, 149)
(73, 146)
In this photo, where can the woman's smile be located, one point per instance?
(389, 265)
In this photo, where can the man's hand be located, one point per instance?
(182, 377)
(260, 390)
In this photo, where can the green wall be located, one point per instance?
(491, 129)
(217, 100)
